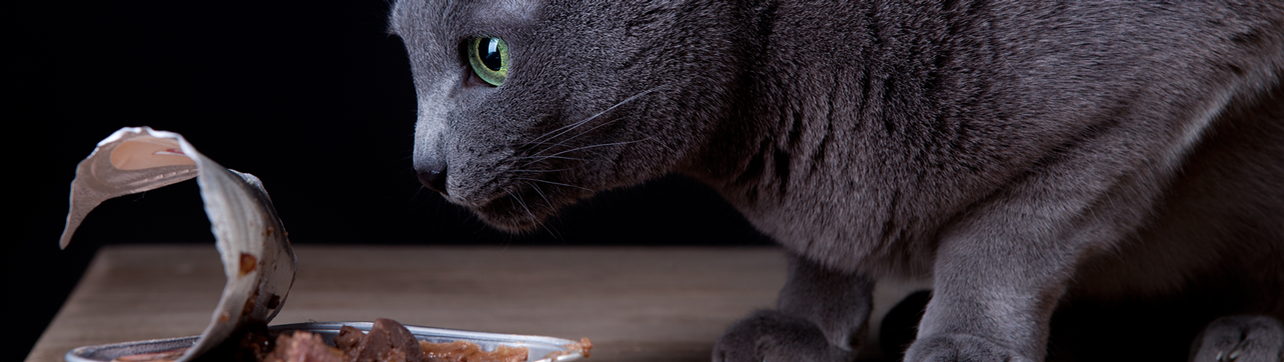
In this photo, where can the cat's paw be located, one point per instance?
(769, 336)
(960, 348)
(1244, 338)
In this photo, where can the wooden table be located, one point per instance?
(636, 304)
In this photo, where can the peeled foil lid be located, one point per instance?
(257, 258)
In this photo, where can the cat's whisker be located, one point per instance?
(540, 193)
(539, 158)
(553, 183)
(567, 128)
(550, 135)
(562, 142)
(541, 171)
(550, 204)
(581, 148)
(539, 144)
(558, 155)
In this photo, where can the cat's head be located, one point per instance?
(526, 106)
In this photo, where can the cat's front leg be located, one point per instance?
(995, 290)
(821, 316)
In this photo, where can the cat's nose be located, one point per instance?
(433, 175)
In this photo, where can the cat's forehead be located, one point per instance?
(422, 15)
(518, 10)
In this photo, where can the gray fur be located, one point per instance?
(1025, 155)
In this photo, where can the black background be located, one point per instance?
(313, 97)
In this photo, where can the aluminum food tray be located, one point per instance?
(539, 346)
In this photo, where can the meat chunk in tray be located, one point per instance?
(387, 341)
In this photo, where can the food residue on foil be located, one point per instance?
(387, 341)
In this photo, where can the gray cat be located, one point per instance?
(1092, 158)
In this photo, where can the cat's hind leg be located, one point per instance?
(821, 316)
(1242, 338)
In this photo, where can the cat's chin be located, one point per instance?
(510, 215)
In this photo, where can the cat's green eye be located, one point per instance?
(489, 59)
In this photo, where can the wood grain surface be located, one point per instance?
(636, 304)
